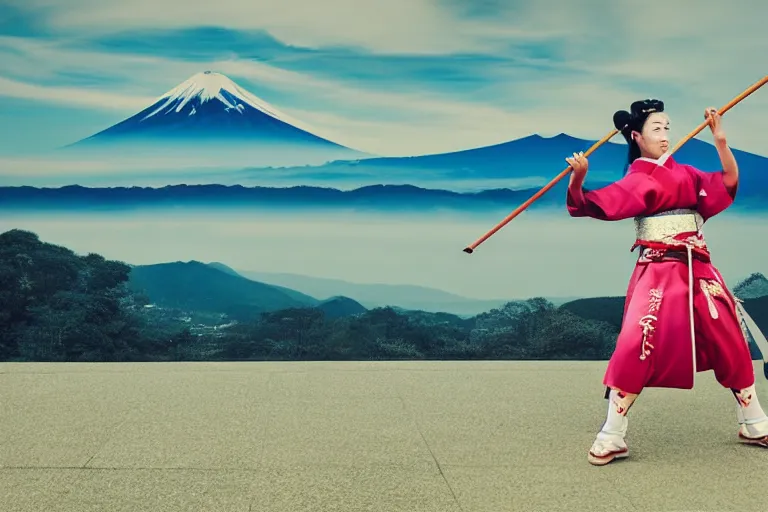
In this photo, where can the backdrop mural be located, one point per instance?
(284, 180)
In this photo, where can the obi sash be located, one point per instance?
(673, 230)
(665, 225)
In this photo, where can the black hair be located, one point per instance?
(634, 120)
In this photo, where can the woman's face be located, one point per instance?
(654, 139)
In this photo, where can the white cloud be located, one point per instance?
(388, 26)
(689, 54)
(72, 96)
(50, 62)
(605, 29)
(428, 123)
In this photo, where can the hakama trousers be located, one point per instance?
(663, 344)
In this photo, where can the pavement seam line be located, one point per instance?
(107, 439)
(429, 449)
(267, 422)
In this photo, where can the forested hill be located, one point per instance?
(195, 286)
(217, 289)
(56, 305)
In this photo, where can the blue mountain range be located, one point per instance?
(250, 142)
(527, 162)
(375, 197)
(384, 198)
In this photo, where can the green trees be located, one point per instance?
(58, 306)
(533, 329)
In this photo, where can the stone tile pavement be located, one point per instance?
(360, 436)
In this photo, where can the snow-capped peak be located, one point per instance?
(207, 86)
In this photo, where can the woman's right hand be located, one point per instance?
(579, 164)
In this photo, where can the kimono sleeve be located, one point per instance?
(713, 196)
(631, 196)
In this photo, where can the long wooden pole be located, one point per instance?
(471, 248)
(722, 111)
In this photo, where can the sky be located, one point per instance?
(391, 77)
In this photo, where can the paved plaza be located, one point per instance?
(361, 436)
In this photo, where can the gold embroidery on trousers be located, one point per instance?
(712, 289)
(654, 304)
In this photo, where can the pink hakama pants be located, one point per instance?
(655, 347)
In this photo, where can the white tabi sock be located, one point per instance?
(739, 413)
(750, 411)
(616, 421)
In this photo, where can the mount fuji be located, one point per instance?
(210, 117)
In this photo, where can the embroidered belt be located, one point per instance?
(649, 255)
(662, 226)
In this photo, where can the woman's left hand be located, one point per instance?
(715, 125)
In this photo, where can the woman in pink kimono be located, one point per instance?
(679, 317)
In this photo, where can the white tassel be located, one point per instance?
(757, 335)
(690, 307)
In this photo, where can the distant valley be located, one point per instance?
(380, 295)
(217, 288)
(197, 287)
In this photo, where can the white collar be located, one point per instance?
(658, 161)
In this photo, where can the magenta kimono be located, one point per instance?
(679, 317)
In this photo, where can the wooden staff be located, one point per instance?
(471, 248)
(722, 111)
